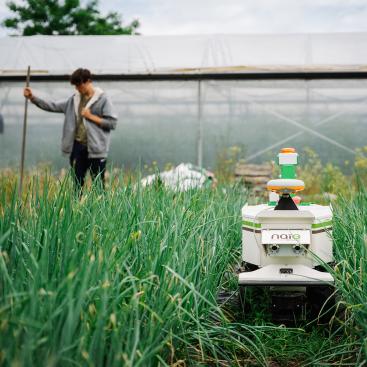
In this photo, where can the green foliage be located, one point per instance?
(226, 162)
(310, 171)
(130, 277)
(350, 244)
(329, 178)
(320, 179)
(68, 17)
(333, 180)
(360, 166)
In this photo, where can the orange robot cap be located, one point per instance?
(288, 150)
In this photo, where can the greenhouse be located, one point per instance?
(191, 98)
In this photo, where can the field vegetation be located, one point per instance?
(131, 277)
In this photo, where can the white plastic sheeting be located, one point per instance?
(57, 55)
(184, 177)
(159, 121)
(194, 120)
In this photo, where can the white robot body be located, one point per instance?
(285, 246)
(291, 243)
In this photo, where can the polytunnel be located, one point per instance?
(191, 98)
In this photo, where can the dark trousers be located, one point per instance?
(80, 164)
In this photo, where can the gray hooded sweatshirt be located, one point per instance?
(98, 136)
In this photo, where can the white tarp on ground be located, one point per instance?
(57, 55)
(181, 178)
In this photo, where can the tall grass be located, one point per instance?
(126, 277)
(350, 239)
(130, 277)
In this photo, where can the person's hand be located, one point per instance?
(89, 115)
(28, 93)
(86, 113)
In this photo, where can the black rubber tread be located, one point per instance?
(246, 267)
(321, 303)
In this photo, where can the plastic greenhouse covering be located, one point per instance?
(174, 121)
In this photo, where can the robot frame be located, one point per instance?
(285, 247)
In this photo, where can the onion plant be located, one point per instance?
(130, 277)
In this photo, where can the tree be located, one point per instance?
(65, 17)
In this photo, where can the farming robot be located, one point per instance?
(285, 246)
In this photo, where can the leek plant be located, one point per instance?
(127, 277)
(350, 242)
(130, 277)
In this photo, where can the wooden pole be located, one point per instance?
(24, 135)
(200, 127)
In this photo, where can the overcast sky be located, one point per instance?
(165, 17)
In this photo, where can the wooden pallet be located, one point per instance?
(254, 176)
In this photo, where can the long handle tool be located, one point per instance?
(24, 136)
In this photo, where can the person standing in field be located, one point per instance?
(89, 119)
